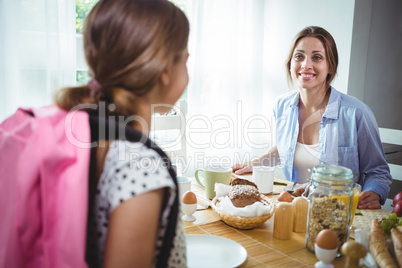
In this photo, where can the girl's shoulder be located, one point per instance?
(123, 150)
(132, 168)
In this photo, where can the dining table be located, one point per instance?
(263, 250)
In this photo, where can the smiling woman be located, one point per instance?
(342, 129)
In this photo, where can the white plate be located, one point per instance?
(213, 251)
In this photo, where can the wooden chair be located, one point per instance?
(392, 143)
(169, 132)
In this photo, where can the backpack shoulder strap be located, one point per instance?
(102, 129)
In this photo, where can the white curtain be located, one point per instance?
(37, 51)
(229, 112)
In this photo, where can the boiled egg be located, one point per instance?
(189, 198)
(327, 239)
(285, 197)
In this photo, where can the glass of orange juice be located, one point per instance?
(356, 194)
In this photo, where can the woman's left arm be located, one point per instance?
(374, 171)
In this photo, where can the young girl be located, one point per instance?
(136, 51)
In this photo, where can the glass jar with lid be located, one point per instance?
(330, 196)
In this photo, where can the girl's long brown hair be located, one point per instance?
(127, 45)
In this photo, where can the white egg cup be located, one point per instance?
(326, 256)
(188, 210)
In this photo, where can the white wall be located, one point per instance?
(284, 19)
(376, 59)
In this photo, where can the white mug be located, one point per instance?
(184, 185)
(263, 177)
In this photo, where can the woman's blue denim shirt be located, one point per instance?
(348, 137)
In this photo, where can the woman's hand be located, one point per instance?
(369, 200)
(243, 168)
(271, 158)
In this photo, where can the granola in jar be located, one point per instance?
(327, 213)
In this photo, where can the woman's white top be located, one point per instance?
(306, 157)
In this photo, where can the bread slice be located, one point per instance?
(239, 181)
(243, 195)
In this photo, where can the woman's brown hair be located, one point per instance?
(327, 41)
(127, 45)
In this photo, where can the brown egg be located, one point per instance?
(285, 197)
(189, 198)
(327, 239)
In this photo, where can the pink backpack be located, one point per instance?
(44, 168)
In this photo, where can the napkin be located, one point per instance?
(226, 206)
(221, 190)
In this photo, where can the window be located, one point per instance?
(182, 4)
(82, 8)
